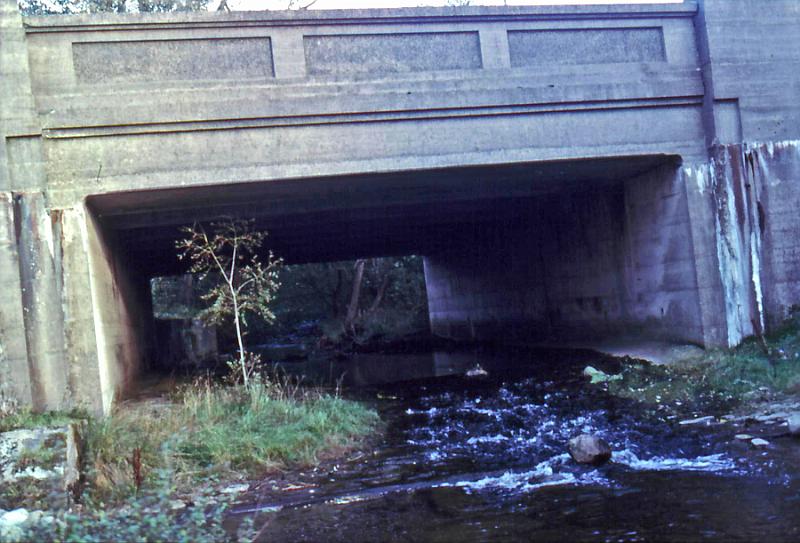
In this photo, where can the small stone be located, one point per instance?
(589, 449)
(758, 442)
(16, 516)
(235, 489)
(743, 437)
(794, 424)
(476, 371)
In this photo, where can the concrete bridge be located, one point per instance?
(567, 172)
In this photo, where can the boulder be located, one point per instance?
(589, 449)
(794, 424)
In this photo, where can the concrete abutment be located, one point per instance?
(704, 254)
(610, 261)
(86, 320)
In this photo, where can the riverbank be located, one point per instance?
(759, 370)
(166, 468)
(750, 393)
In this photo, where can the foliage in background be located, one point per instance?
(240, 284)
(178, 297)
(313, 301)
(359, 300)
(66, 7)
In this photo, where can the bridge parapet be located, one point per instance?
(258, 65)
(81, 53)
(293, 94)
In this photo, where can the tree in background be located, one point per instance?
(240, 284)
(358, 300)
(67, 7)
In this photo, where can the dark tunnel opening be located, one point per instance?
(541, 252)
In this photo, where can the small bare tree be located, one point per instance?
(244, 284)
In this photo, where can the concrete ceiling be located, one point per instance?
(338, 218)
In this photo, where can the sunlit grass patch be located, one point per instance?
(213, 431)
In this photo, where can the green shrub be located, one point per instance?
(147, 518)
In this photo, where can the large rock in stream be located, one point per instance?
(794, 424)
(589, 449)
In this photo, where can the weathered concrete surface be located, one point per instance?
(616, 260)
(753, 54)
(560, 167)
(17, 118)
(15, 377)
(41, 468)
(186, 342)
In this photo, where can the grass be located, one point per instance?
(25, 418)
(203, 436)
(213, 432)
(45, 456)
(210, 430)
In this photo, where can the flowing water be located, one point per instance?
(485, 459)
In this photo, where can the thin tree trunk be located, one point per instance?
(239, 336)
(352, 309)
(381, 292)
(337, 292)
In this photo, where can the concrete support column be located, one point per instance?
(79, 333)
(121, 311)
(40, 282)
(106, 311)
(15, 375)
(636, 261)
(81, 342)
(662, 294)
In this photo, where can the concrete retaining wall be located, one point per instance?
(587, 265)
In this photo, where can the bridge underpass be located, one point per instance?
(542, 252)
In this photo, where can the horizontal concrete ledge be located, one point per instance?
(364, 117)
(94, 22)
(213, 177)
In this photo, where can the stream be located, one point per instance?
(485, 459)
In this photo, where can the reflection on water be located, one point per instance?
(366, 370)
(485, 460)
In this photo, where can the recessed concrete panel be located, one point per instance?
(391, 53)
(586, 46)
(172, 60)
